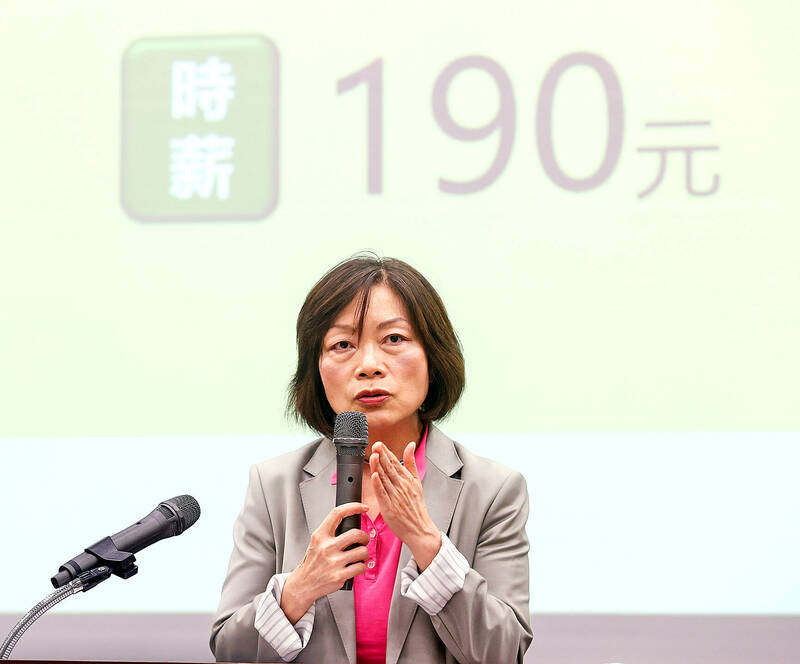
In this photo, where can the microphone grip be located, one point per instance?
(148, 530)
(349, 471)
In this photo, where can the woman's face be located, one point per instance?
(383, 373)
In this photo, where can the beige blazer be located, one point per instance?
(480, 504)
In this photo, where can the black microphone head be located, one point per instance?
(186, 508)
(351, 424)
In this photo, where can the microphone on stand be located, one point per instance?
(351, 437)
(171, 517)
(111, 555)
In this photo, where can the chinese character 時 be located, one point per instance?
(208, 86)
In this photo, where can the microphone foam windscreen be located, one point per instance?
(351, 424)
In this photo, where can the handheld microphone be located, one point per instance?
(351, 437)
(171, 517)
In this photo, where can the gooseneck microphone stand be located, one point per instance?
(114, 561)
(82, 583)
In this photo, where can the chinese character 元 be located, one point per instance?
(688, 151)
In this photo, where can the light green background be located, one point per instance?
(591, 311)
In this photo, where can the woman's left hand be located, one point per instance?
(402, 503)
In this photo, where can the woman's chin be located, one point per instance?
(386, 420)
(379, 420)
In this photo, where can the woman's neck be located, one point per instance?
(397, 437)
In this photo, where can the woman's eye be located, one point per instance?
(341, 345)
(395, 338)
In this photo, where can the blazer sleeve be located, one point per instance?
(234, 637)
(488, 620)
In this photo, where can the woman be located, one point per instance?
(442, 530)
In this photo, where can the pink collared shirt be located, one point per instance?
(372, 590)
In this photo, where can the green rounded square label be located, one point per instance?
(200, 128)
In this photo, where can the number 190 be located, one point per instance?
(504, 121)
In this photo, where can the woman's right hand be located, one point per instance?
(326, 565)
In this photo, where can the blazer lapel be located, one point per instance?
(319, 497)
(441, 492)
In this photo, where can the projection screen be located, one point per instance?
(604, 194)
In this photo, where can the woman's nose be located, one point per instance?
(369, 363)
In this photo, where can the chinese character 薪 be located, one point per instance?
(206, 85)
(197, 166)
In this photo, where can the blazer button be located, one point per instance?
(371, 564)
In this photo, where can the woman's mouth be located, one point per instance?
(372, 397)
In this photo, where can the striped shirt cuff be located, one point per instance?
(440, 580)
(275, 628)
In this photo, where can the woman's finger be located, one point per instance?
(335, 516)
(380, 491)
(390, 464)
(380, 470)
(409, 460)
